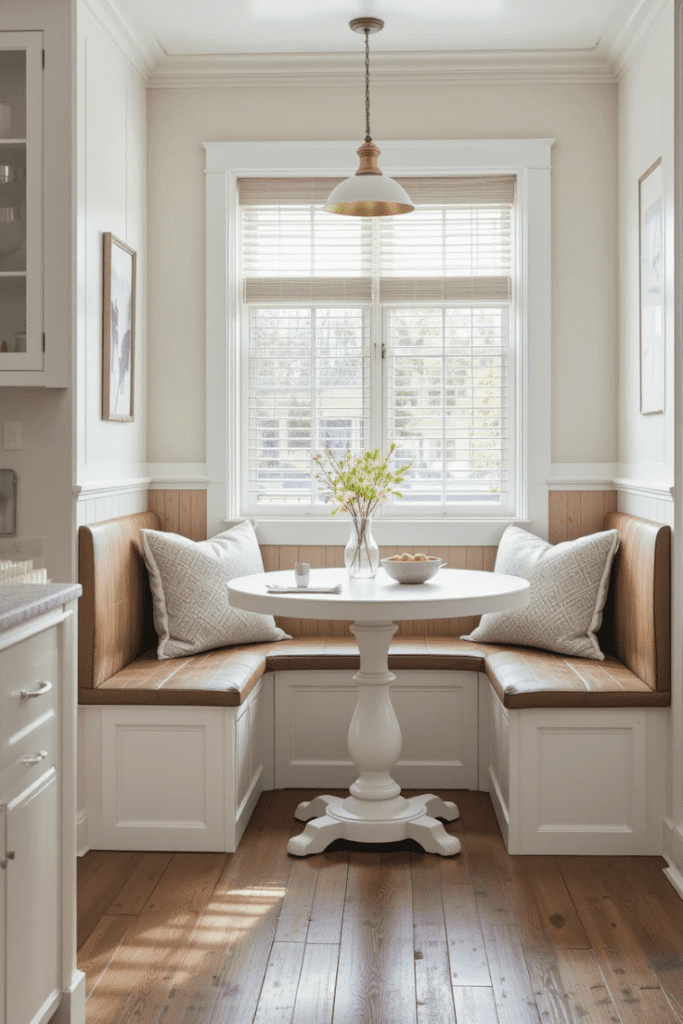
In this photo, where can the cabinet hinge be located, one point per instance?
(43, 341)
(384, 350)
(43, 58)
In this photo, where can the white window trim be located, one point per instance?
(530, 160)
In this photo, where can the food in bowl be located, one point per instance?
(408, 568)
(418, 557)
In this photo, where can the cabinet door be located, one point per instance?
(32, 900)
(21, 272)
(3, 934)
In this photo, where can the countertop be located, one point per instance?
(20, 602)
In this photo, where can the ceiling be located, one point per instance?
(211, 27)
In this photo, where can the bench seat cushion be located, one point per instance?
(221, 678)
(524, 678)
(521, 677)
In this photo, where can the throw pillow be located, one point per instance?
(569, 584)
(189, 591)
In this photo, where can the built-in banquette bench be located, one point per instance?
(175, 753)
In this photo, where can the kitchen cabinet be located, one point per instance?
(21, 213)
(38, 977)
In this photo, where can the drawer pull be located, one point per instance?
(34, 758)
(43, 687)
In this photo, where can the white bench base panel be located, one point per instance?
(562, 781)
(174, 778)
(578, 781)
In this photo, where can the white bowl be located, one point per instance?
(412, 572)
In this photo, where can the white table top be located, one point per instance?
(451, 593)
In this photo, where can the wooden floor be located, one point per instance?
(378, 935)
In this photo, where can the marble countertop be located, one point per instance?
(20, 602)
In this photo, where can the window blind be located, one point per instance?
(309, 390)
(441, 280)
(448, 403)
(455, 245)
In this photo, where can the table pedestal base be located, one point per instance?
(375, 812)
(388, 821)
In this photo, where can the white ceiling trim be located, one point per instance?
(128, 34)
(624, 40)
(624, 37)
(418, 67)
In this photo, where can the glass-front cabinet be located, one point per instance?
(21, 219)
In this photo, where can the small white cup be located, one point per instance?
(302, 573)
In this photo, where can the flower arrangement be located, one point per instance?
(357, 486)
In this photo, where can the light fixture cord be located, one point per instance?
(367, 85)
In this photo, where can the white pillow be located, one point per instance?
(190, 594)
(569, 584)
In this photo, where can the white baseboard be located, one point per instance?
(71, 1009)
(674, 876)
(248, 804)
(81, 834)
(500, 808)
(673, 854)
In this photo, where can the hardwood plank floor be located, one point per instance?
(378, 934)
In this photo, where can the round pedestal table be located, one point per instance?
(375, 811)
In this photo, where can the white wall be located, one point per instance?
(44, 464)
(646, 133)
(111, 196)
(581, 117)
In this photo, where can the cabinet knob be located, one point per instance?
(34, 758)
(43, 687)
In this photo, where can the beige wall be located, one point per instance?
(111, 196)
(646, 133)
(582, 119)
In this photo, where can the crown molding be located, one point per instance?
(416, 67)
(128, 33)
(629, 31)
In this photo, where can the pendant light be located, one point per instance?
(368, 193)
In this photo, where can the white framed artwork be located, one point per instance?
(118, 329)
(651, 254)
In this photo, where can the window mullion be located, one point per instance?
(444, 440)
(314, 396)
(377, 363)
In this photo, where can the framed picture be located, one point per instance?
(118, 330)
(651, 250)
(8, 503)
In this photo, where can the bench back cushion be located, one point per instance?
(636, 623)
(115, 610)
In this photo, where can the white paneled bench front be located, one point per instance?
(175, 753)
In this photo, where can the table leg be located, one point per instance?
(375, 811)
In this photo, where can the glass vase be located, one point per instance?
(361, 554)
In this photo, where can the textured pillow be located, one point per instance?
(189, 591)
(569, 584)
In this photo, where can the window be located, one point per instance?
(359, 333)
(242, 301)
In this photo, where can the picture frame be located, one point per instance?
(8, 503)
(118, 329)
(651, 288)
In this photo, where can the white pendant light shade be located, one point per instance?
(369, 192)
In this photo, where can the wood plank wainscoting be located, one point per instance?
(378, 935)
(571, 514)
